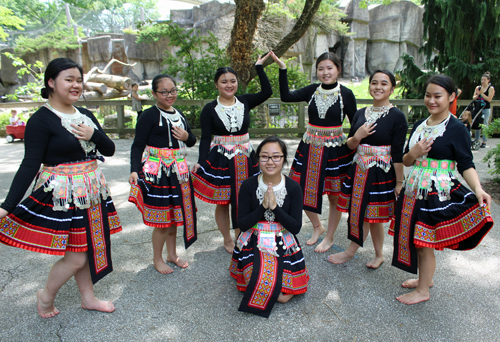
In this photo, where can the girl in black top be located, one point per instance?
(322, 158)
(375, 178)
(227, 161)
(160, 183)
(434, 210)
(267, 262)
(70, 211)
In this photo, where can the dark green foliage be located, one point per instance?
(60, 40)
(462, 39)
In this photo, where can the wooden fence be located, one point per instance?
(403, 105)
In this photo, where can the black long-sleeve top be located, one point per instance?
(453, 145)
(250, 211)
(149, 132)
(390, 130)
(211, 124)
(47, 141)
(332, 117)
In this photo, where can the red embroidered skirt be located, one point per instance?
(36, 226)
(320, 170)
(458, 223)
(219, 178)
(163, 202)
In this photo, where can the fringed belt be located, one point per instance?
(231, 145)
(82, 183)
(267, 235)
(324, 136)
(368, 156)
(167, 159)
(427, 172)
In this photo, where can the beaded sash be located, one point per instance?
(82, 183)
(231, 145)
(170, 160)
(428, 172)
(368, 156)
(324, 136)
(267, 235)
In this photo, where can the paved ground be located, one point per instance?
(344, 302)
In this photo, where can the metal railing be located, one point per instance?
(404, 105)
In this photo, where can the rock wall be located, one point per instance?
(377, 39)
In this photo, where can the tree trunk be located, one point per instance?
(112, 81)
(240, 46)
(100, 87)
(245, 23)
(110, 94)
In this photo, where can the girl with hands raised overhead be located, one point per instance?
(226, 154)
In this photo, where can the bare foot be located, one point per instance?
(46, 310)
(316, 234)
(413, 297)
(98, 305)
(413, 283)
(324, 245)
(340, 258)
(178, 261)
(162, 267)
(229, 246)
(375, 263)
(283, 298)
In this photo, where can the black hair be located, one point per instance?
(330, 56)
(273, 139)
(487, 75)
(53, 70)
(385, 72)
(157, 80)
(223, 70)
(443, 81)
(133, 84)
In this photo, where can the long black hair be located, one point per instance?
(330, 56)
(273, 139)
(385, 72)
(157, 80)
(223, 70)
(443, 81)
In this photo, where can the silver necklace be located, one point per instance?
(231, 116)
(372, 114)
(174, 119)
(75, 119)
(325, 98)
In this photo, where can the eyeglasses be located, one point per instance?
(166, 92)
(275, 158)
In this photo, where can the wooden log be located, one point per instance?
(112, 81)
(100, 87)
(110, 94)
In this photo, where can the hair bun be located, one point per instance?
(45, 93)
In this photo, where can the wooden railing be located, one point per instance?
(403, 105)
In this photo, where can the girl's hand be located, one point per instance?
(397, 189)
(82, 131)
(3, 213)
(270, 196)
(483, 198)
(422, 147)
(277, 60)
(262, 59)
(179, 133)
(132, 180)
(365, 130)
(195, 167)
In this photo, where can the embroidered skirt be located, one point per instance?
(231, 160)
(164, 192)
(320, 164)
(70, 209)
(454, 220)
(368, 190)
(266, 261)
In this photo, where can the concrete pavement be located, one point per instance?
(344, 302)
